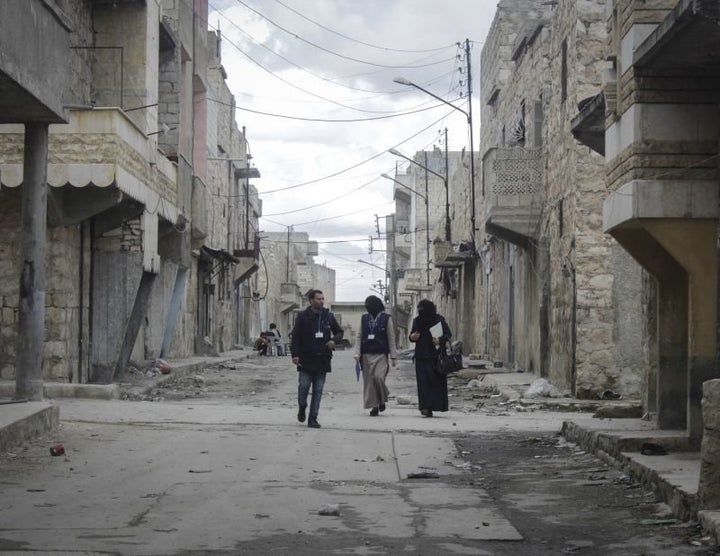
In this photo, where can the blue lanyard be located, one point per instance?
(372, 322)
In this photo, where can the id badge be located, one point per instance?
(371, 336)
(318, 334)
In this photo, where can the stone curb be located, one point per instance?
(31, 421)
(615, 450)
(52, 390)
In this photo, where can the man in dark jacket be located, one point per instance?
(313, 339)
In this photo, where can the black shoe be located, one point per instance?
(381, 407)
(313, 423)
(374, 412)
(426, 413)
(301, 414)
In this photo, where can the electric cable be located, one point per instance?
(319, 47)
(316, 75)
(358, 41)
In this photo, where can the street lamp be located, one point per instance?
(445, 183)
(371, 264)
(468, 115)
(427, 222)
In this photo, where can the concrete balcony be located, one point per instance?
(34, 68)
(98, 161)
(513, 185)
(290, 297)
(416, 280)
(248, 260)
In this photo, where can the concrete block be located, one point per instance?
(23, 421)
(710, 521)
(53, 390)
(709, 486)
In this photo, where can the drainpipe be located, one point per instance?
(569, 272)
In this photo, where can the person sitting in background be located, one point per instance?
(275, 339)
(261, 344)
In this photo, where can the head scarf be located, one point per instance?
(374, 305)
(427, 312)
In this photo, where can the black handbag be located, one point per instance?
(451, 360)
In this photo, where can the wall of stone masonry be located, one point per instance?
(9, 279)
(514, 277)
(709, 484)
(606, 282)
(575, 293)
(468, 306)
(61, 356)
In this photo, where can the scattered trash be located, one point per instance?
(57, 450)
(199, 470)
(330, 509)
(541, 388)
(262, 516)
(162, 366)
(652, 449)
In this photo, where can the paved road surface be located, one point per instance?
(221, 466)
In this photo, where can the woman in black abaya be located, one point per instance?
(431, 384)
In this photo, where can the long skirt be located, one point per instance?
(375, 367)
(431, 385)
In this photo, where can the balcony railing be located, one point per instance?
(513, 172)
(513, 183)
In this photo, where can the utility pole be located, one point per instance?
(447, 192)
(287, 262)
(472, 143)
(427, 223)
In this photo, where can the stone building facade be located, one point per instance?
(149, 250)
(563, 297)
(288, 272)
(655, 119)
(431, 247)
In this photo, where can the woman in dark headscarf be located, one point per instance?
(375, 342)
(431, 384)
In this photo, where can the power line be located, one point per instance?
(358, 41)
(325, 99)
(316, 75)
(382, 153)
(404, 90)
(341, 120)
(295, 35)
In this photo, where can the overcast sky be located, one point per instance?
(313, 82)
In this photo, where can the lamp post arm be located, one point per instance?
(401, 184)
(376, 266)
(403, 81)
(401, 155)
